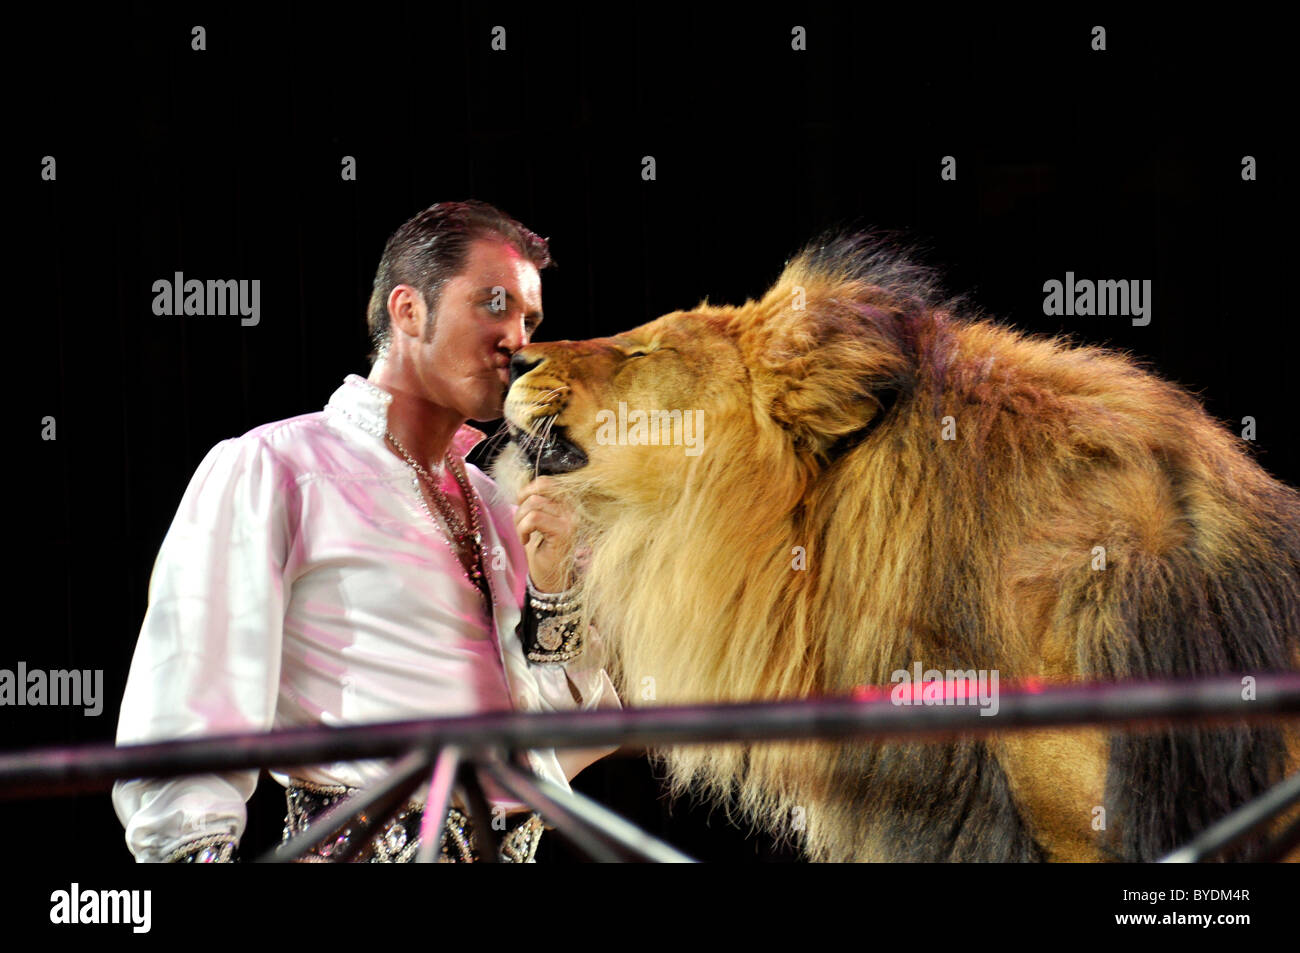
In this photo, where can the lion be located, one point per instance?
(882, 477)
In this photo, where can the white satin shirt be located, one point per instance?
(301, 583)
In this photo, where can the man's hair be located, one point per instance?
(432, 248)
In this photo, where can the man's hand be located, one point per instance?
(545, 528)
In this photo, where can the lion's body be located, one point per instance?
(881, 482)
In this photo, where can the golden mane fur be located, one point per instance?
(947, 481)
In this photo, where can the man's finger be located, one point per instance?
(547, 524)
(540, 504)
(542, 486)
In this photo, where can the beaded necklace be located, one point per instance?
(467, 541)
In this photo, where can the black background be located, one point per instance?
(225, 163)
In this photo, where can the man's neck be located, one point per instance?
(422, 427)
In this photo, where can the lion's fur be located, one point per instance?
(824, 430)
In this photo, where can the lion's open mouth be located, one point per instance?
(550, 452)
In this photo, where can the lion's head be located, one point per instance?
(793, 375)
(811, 491)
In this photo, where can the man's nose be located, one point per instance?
(521, 364)
(515, 334)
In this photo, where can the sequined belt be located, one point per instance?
(398, 841)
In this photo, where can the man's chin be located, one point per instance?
(495, 410)
(489, 410)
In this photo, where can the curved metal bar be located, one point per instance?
(488, 840)
(49, 771)
(436, 803)
(364, 812)
(588, 824)
(526, 789)
(1226, 832)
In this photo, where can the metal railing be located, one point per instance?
(445, 754)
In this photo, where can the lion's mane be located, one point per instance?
(975, 552)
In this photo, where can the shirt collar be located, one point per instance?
(366, 406)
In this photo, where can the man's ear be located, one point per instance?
(406, 310)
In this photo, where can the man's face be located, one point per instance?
(485, 314)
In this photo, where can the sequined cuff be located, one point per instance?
(213, 849)
(550, 627)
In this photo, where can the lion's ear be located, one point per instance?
(826, 374)
(828, 345)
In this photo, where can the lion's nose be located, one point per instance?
(521, 364)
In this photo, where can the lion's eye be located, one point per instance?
(636, 354)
